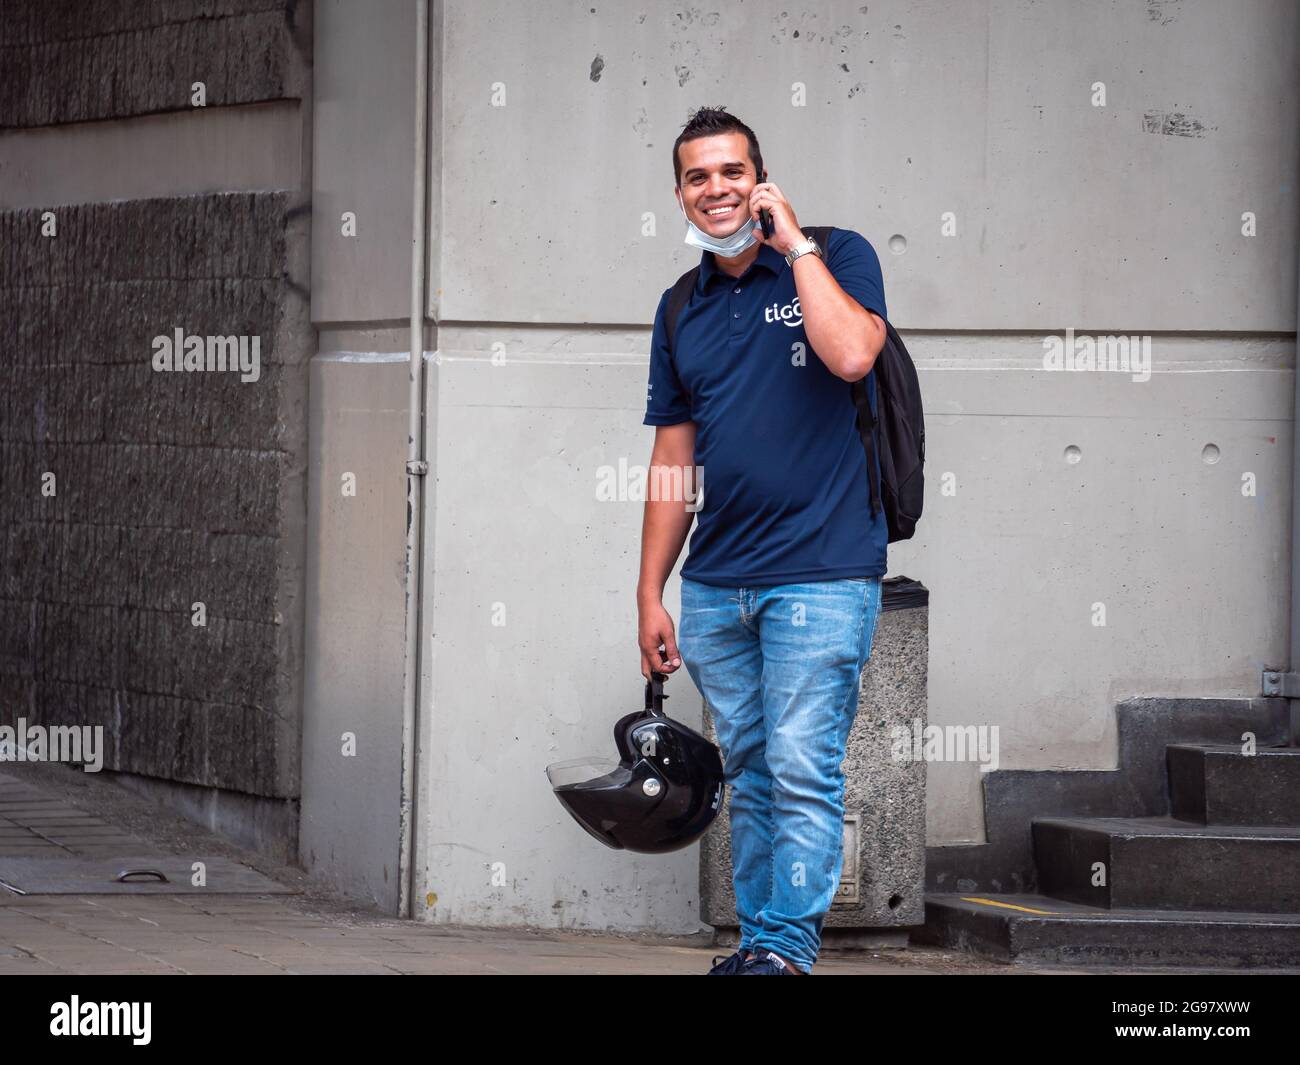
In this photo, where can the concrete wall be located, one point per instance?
(1103, 219)
(360, 291)
(171, 488)
(355, 623)
(961, 140)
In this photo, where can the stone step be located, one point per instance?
(1161, 863)
(1050, 931)
(1218, 785)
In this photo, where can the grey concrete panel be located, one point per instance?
(530, 603)
(67, 61)
(1015, 560)
(1114, 217)
(355, 625)
(217, 149)
(363, 159)
(1183, 563)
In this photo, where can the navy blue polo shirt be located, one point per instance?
(785, 497)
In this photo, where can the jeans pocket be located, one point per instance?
(874, 607)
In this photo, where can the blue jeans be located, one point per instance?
(779, 667)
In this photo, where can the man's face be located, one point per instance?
(717, 173)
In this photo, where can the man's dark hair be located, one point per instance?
(709, 122)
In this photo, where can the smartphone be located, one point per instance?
(764, 215)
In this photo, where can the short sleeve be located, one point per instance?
(853, 263)
(667, 401)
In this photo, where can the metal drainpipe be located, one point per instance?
(416, 468)
(1279, 682)
(1293, 703)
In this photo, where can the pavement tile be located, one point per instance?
(92, 954)
(28, 967)
(315, 932)
(254, 944)
(216, 960)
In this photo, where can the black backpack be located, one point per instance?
(898, 399)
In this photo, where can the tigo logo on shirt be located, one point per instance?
(789, 315)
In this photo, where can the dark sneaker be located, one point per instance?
(730, 966)
(765, 963)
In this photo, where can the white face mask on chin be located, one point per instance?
(728, 247)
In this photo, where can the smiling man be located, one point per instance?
(782, 584)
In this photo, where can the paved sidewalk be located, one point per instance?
(315, 931)
(241, 934)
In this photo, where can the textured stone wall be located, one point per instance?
(170, 489)
(79, 60)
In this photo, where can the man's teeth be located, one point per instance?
(721, 210)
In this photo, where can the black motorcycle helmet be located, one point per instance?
(661, 795)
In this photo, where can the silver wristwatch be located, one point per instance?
(808, 245)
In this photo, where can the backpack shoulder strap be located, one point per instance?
(857, 389)
(677, 301)
(821, 234)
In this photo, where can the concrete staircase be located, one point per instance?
(1212, 883)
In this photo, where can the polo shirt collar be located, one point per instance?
(767, 256)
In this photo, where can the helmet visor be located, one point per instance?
(592, 771)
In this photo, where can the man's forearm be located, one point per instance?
(664, 528)
(845, 335)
